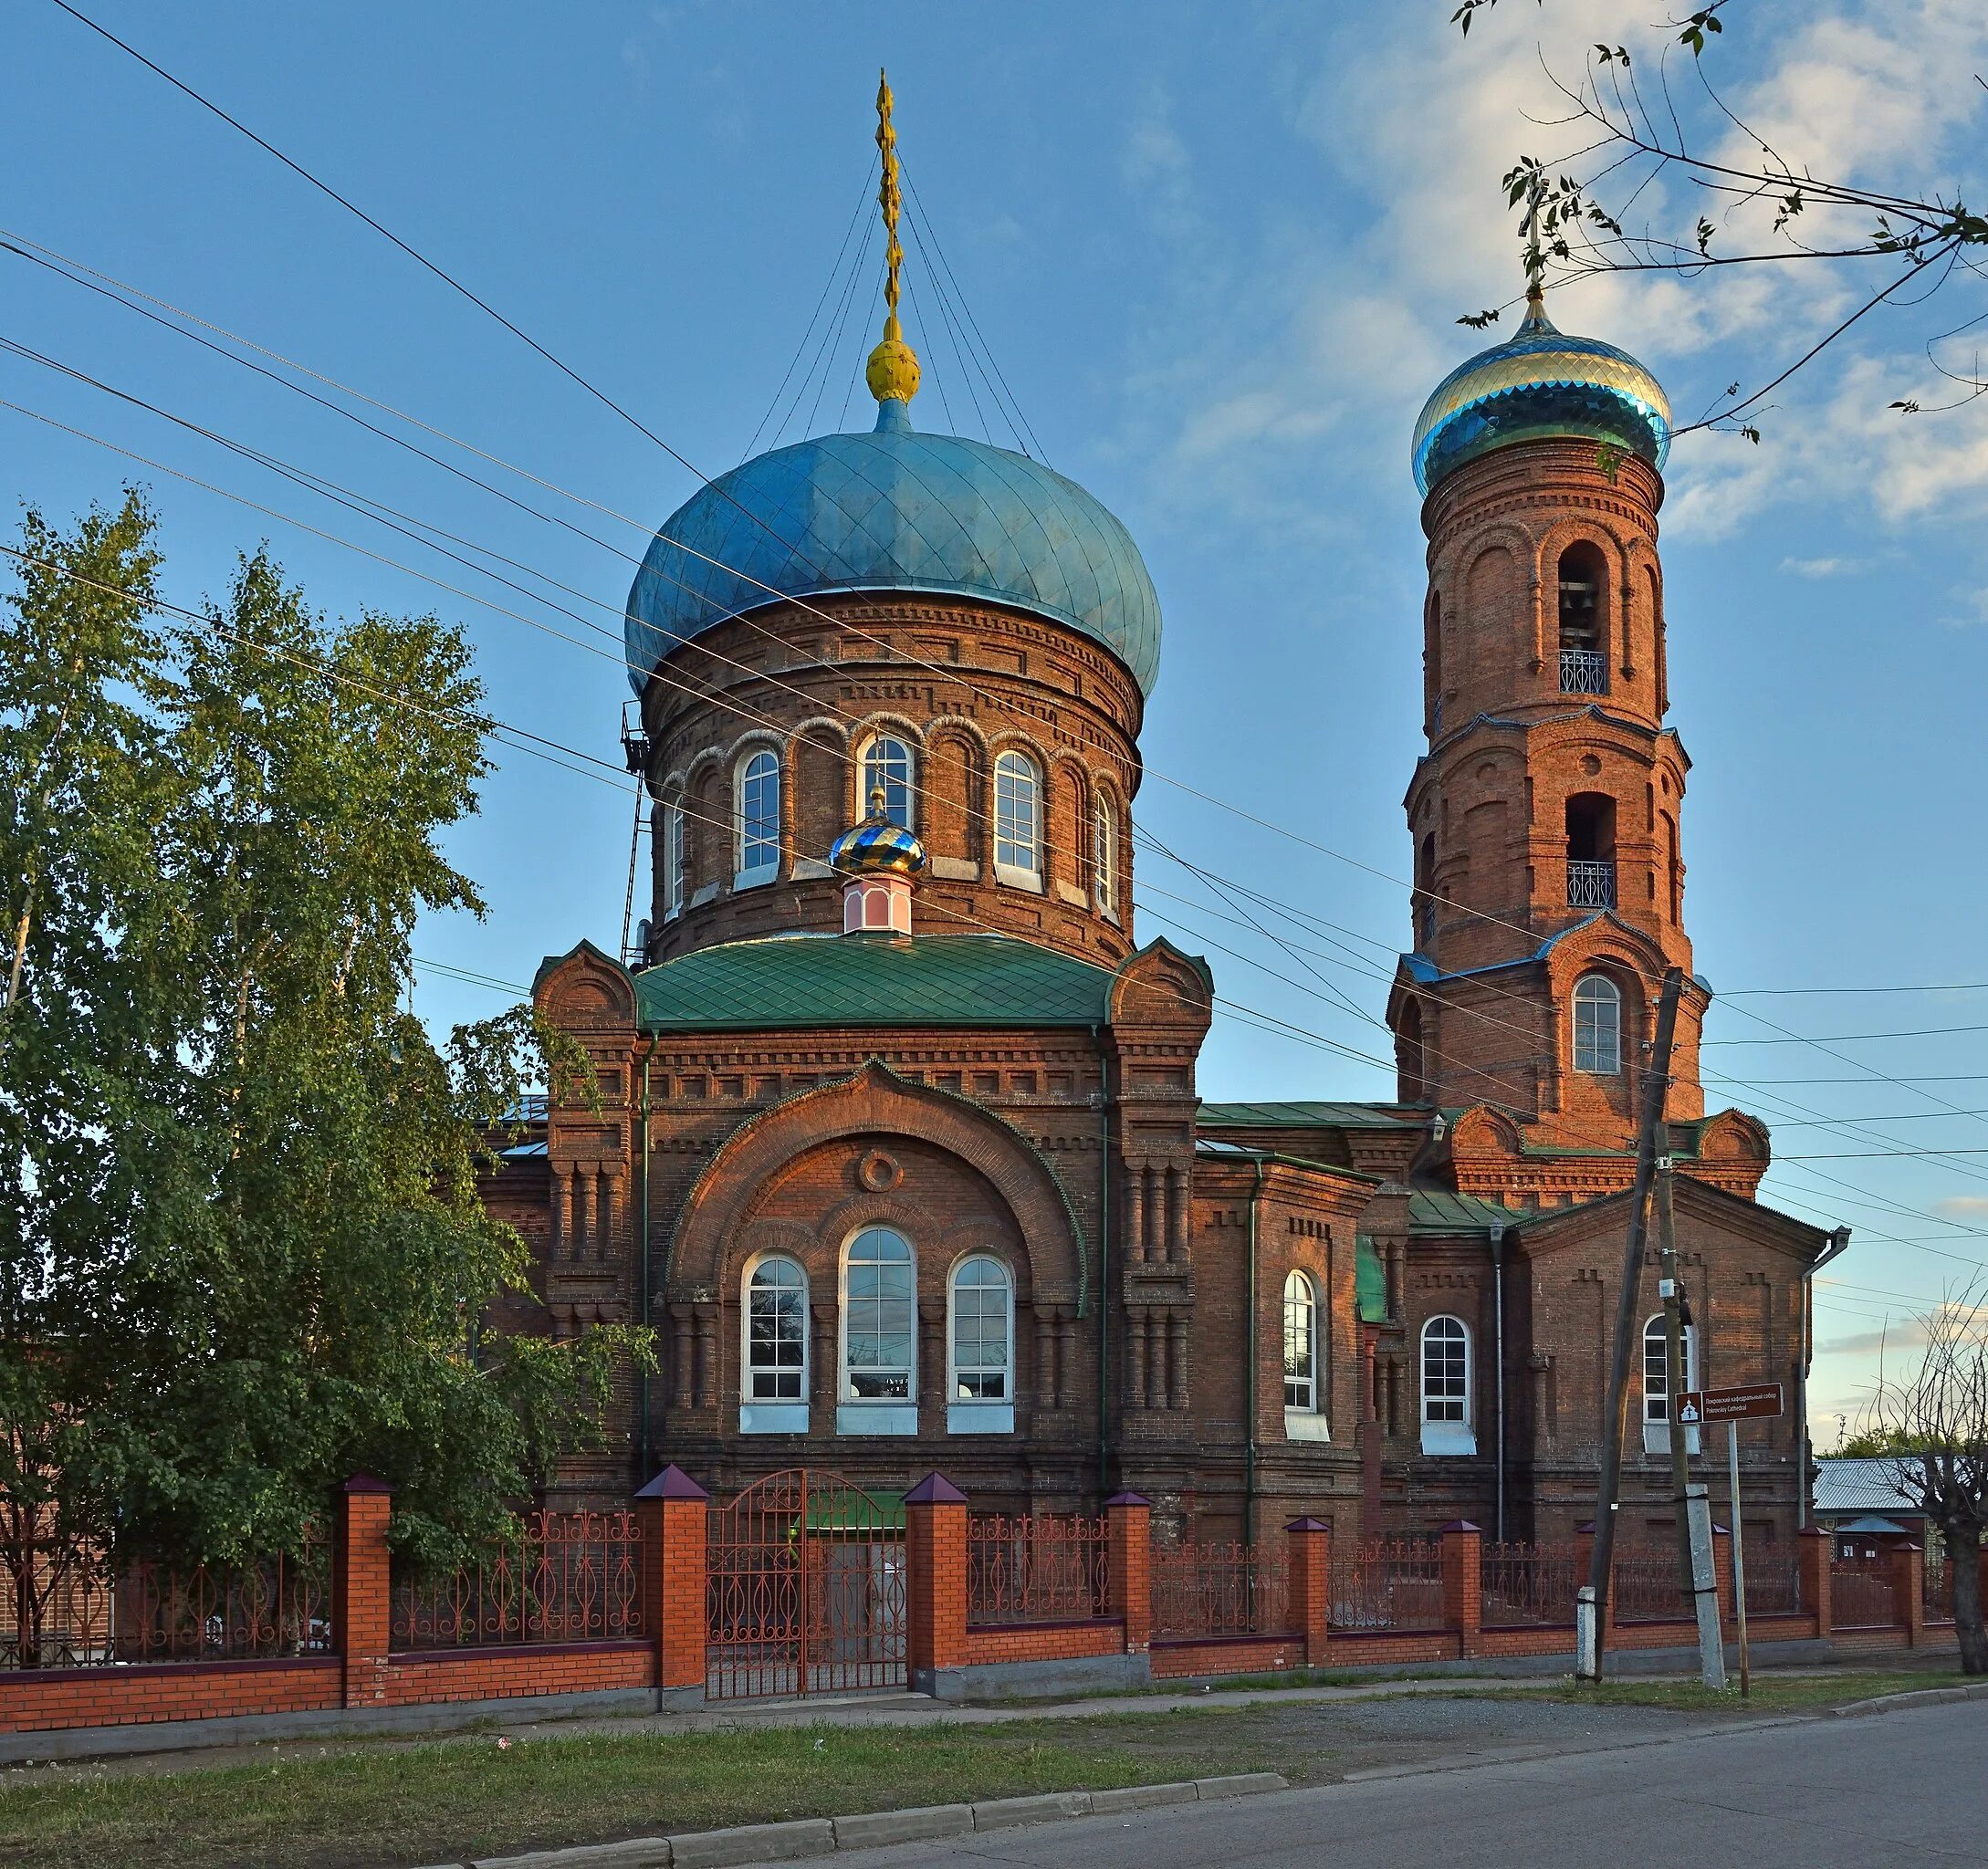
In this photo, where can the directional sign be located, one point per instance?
(1753, 1402)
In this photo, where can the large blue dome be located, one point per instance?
(1542, 383)
(895, 510)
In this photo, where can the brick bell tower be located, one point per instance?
(1545, 813)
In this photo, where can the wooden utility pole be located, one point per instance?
(1592, 1612)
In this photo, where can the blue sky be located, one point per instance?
(1217, 254)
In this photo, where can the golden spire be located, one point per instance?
(892, 371)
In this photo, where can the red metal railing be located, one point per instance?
(1861, 1595)
(1646, 1586)
(1219, 1589)
(1528, 1585)
(1388, 1583)
(1936, 1589)
(1037, 1569)
(559, 1577)
(1774, 1578)
(63, 1605)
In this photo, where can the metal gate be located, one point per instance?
(807, 1590)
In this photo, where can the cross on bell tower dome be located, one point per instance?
(1548, 872)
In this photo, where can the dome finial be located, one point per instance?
(893, 370)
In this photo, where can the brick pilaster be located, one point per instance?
(1722, 1576)
(1909, 1591)
(1131, 1520)
(935, 1579)
(361, 1589)
(1463, 1584)
(1814, 1550)
(674, 1512)
(1311, 1608)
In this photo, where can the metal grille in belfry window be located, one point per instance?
(1584, 672)
(1590, 884)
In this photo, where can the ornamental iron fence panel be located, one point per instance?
(1590, 884)
(1584, 672)
(557, 1577)
(1861, 1595)
(1936, 1588)
(1037, 1568)
(1388, 1583)
(1774, 1578)
(1528, 1585)
(1645, 1585)
(1222, 1588)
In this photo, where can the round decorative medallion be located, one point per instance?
(879, 1171)
(1590, 766)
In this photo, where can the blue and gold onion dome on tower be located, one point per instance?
(891, 511)
(876, 844)
(1542, 384)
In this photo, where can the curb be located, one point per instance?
(1910, 1697)
(823, 1836)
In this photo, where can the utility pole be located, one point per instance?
(1691, 1504)
(1591, 1611)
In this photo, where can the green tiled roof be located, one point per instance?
(1437, 1210)
(872, 980)
(1307, 1115)
(1369, 1282)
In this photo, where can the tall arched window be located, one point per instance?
(775, 1360)
(759, 815)
(1657, 1384)
(1018, 821)
(879, 1391)
(1305, 1383)
(1584, 664)
(673, 859)
(1598, 1026)
(980, 1383)
(1446, 1387)
(1105, 851)
(886, 764)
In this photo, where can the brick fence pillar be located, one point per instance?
(1311, 1610)
(1130, 1516)
(361, 1589)
(1463, 1585)
(1813, 1549)
(1909, 1591)
(934, 1580)
(1729, 1612)
(674, 1512)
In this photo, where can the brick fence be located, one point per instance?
(1223, 1609)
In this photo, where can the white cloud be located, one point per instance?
(1825, 567)
(1962, 1207)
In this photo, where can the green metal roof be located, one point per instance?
(1308, 1115)
(872, 980)
(1369, 1281)
(1438, 1210)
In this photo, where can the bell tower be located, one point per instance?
(1545, 812)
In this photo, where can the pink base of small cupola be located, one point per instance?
(879, 904)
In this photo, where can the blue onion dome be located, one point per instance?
(895, 510)
(1542, 383)
(876, 844)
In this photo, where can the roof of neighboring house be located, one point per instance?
(872, 980)
(1870, 1522)
(1308, 1115)
(1852, 1484)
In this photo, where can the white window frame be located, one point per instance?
(1305, 1418)
(1448, 1432)
(1021, 867)
(673, 859)
(758, 858)
(980, 1414)
(1657, 1401)
(876, 1414)
(873, 764)
(772, 1413)
(1104, 854)
(1604, 993)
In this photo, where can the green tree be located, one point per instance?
(245, 1250)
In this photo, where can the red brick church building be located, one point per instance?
(899, 1144)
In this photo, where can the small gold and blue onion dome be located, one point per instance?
(876, 846)
(1541, 384)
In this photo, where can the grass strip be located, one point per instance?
(1775, 1692)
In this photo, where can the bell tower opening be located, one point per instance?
(1591, 850)
(1584, 664)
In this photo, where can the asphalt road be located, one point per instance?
(1876, 1792)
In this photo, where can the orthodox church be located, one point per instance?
(897, 1142)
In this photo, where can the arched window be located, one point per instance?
(1598, 1026)
(759, 815)
(1018, 821)
(1584, 662)
(1657, 1384)
(879, 1335)
(673, 859)
(775, 1360)
(981, 1382)
(886, 764)
(1446, 1387)
(1105, 851)
(1304, 1382)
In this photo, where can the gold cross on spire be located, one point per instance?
(893, 370)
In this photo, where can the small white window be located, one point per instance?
(758, 818)
(1104, 854)
(1657, 1384)
(1446, 1387)
(776, 1352)
(981, 1381)
(1598, 1026)
(885, 765)
(1018, 821)
(673, 859)
(879, 1392)
(1305, 1388)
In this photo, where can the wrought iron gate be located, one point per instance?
(807, 1590)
